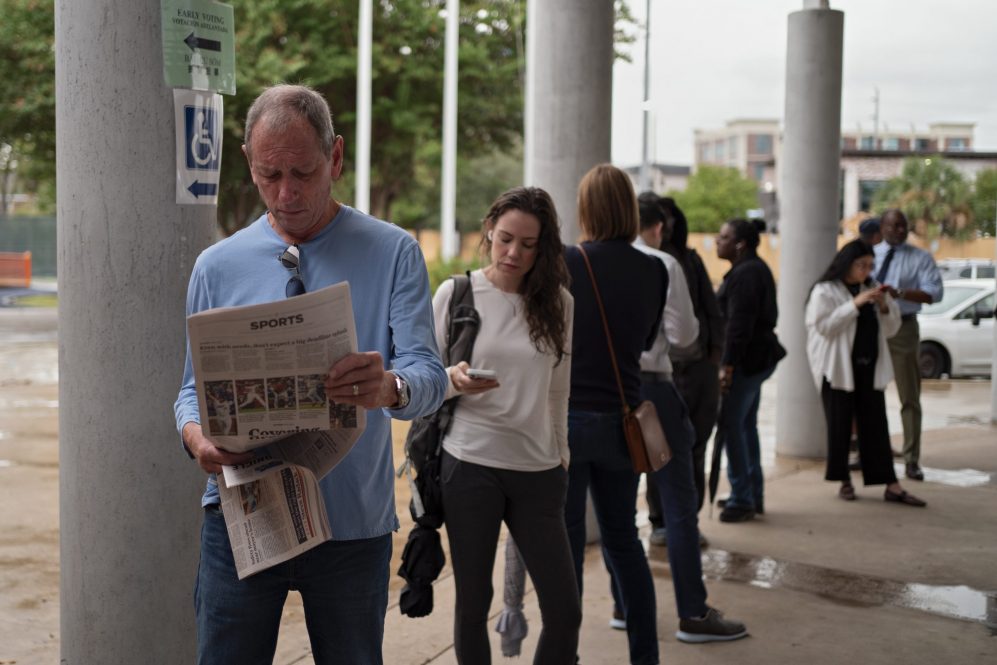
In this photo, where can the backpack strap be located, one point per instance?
(463, 323)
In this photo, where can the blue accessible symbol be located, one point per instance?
(203, 133)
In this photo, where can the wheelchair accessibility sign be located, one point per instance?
(199, 145)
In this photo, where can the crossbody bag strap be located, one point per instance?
(605, 326)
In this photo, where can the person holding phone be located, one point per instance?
(505, 457)
(849, 318)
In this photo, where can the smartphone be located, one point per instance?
(482, 374)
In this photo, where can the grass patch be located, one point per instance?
(40, 300)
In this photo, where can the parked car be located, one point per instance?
(957, 332)
(967, 268)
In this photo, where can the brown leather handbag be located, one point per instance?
(646, 441)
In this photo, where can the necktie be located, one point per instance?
(881, 275)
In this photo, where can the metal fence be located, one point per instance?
(31, 234)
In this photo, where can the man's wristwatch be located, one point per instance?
(401, 391)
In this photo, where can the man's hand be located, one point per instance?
(360, 379)
(468, 385)
(726, 378)
(208, 455)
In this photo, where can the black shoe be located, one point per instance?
(711, 628)
(904, 498)
(736, 514)
(759, 505)
(914, 471)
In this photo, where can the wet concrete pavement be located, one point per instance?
(817, 580)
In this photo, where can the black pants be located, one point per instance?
(868, 408)
(476, 500)
(699, 385)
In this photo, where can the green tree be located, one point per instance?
(932, 194)
(314, 42)
(984, 201)
(715, 194)
(27, 100)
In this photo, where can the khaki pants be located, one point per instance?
(904, 352)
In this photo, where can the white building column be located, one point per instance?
(808, 220)
(128, 495)
(569, 89)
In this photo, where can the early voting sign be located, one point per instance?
(199, 45)
(199, 145)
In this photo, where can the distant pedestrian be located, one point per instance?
(751, 352)
(869, 231)
(695, 367)
(913, 279)
(849, 318)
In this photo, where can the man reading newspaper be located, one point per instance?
(305, 241)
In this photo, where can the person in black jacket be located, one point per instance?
(751, 351)
(695, 368)
(633, 289)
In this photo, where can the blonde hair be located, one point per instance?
(607, 205)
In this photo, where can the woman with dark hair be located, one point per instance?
(695, 368)
(506, 453)
(632, 287)
(849, 317)
(751, 352)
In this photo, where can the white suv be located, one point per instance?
(966, 269)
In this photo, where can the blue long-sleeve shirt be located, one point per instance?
(389, 289)
(911, 268)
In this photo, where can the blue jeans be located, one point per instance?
(600, 462)
(679, 499)
(739, 420)
(343, 584)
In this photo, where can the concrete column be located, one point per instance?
(569, 89)
(808, 221)
(129, 497)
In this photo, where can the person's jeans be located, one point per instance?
(739, 420)
(600, 462)
(343, 585)
(679, 499)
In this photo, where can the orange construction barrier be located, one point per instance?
(15, 269)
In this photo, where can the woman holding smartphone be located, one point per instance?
(505, 456)
(849, 317)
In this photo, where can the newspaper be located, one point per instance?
(259, 373)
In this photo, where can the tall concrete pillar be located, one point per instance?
(569, 89)
(129, 513)
(809, 211)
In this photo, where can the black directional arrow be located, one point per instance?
(199, 189)
(195, 42)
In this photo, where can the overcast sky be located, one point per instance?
(716, 60)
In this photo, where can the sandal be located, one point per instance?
(903, 497)
(847, 492)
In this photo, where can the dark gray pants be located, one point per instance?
(699, 386)
(476, 500)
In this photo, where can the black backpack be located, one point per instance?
(424, 444)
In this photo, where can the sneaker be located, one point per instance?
(759, 507)
(618, 622)
(736, 514)
(711, 628)
(659, 537)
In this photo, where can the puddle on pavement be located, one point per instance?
(959, 602)
(952, 477)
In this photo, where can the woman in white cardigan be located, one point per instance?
(849, 318)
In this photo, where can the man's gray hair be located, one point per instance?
(279, 105)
